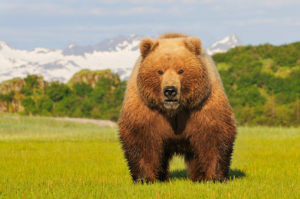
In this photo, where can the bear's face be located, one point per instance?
(171, 75)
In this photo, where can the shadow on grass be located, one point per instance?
(236, 173)
(178, 174)
(182, 174)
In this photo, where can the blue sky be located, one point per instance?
(27, 24)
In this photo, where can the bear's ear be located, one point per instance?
(145, 46)
(193, 44)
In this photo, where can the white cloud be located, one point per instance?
(97, 19)
(138, 10)
(37, 8)
(286, 21)
(52, 9)
(138, 7)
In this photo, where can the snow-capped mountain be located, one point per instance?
(224, 44)
(118, 54)
(116, 44)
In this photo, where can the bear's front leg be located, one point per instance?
(205, 166)
(143, 153)
(211, 157)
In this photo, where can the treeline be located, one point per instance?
(101, 98)
(263, 83)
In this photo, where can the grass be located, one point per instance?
(44, 158)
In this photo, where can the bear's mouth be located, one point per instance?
(171, 100)
(171, 103)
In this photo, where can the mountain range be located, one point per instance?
(118, 54)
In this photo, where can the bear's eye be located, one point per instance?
(160, 72)
(180, 71)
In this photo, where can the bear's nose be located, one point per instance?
(170, 91)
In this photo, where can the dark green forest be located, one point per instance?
(262, 84)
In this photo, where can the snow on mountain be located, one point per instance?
(224, 44)
(116, 44)
(118, 54)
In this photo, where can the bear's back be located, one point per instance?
(213, 72)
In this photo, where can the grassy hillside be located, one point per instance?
(44, 158)
(91, 94)
(263, 83)
(92, 77)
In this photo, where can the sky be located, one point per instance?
(26, 24)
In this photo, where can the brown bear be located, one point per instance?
(175, 104)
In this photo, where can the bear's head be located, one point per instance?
(171, 75)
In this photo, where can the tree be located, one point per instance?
(44, 105)
(31, 85)
(8, 98)
(57, 91)
(29, 105)
(102, 93)
(82, 89)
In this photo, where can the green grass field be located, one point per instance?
(44, 158)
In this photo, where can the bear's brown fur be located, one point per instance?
(175, 103)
